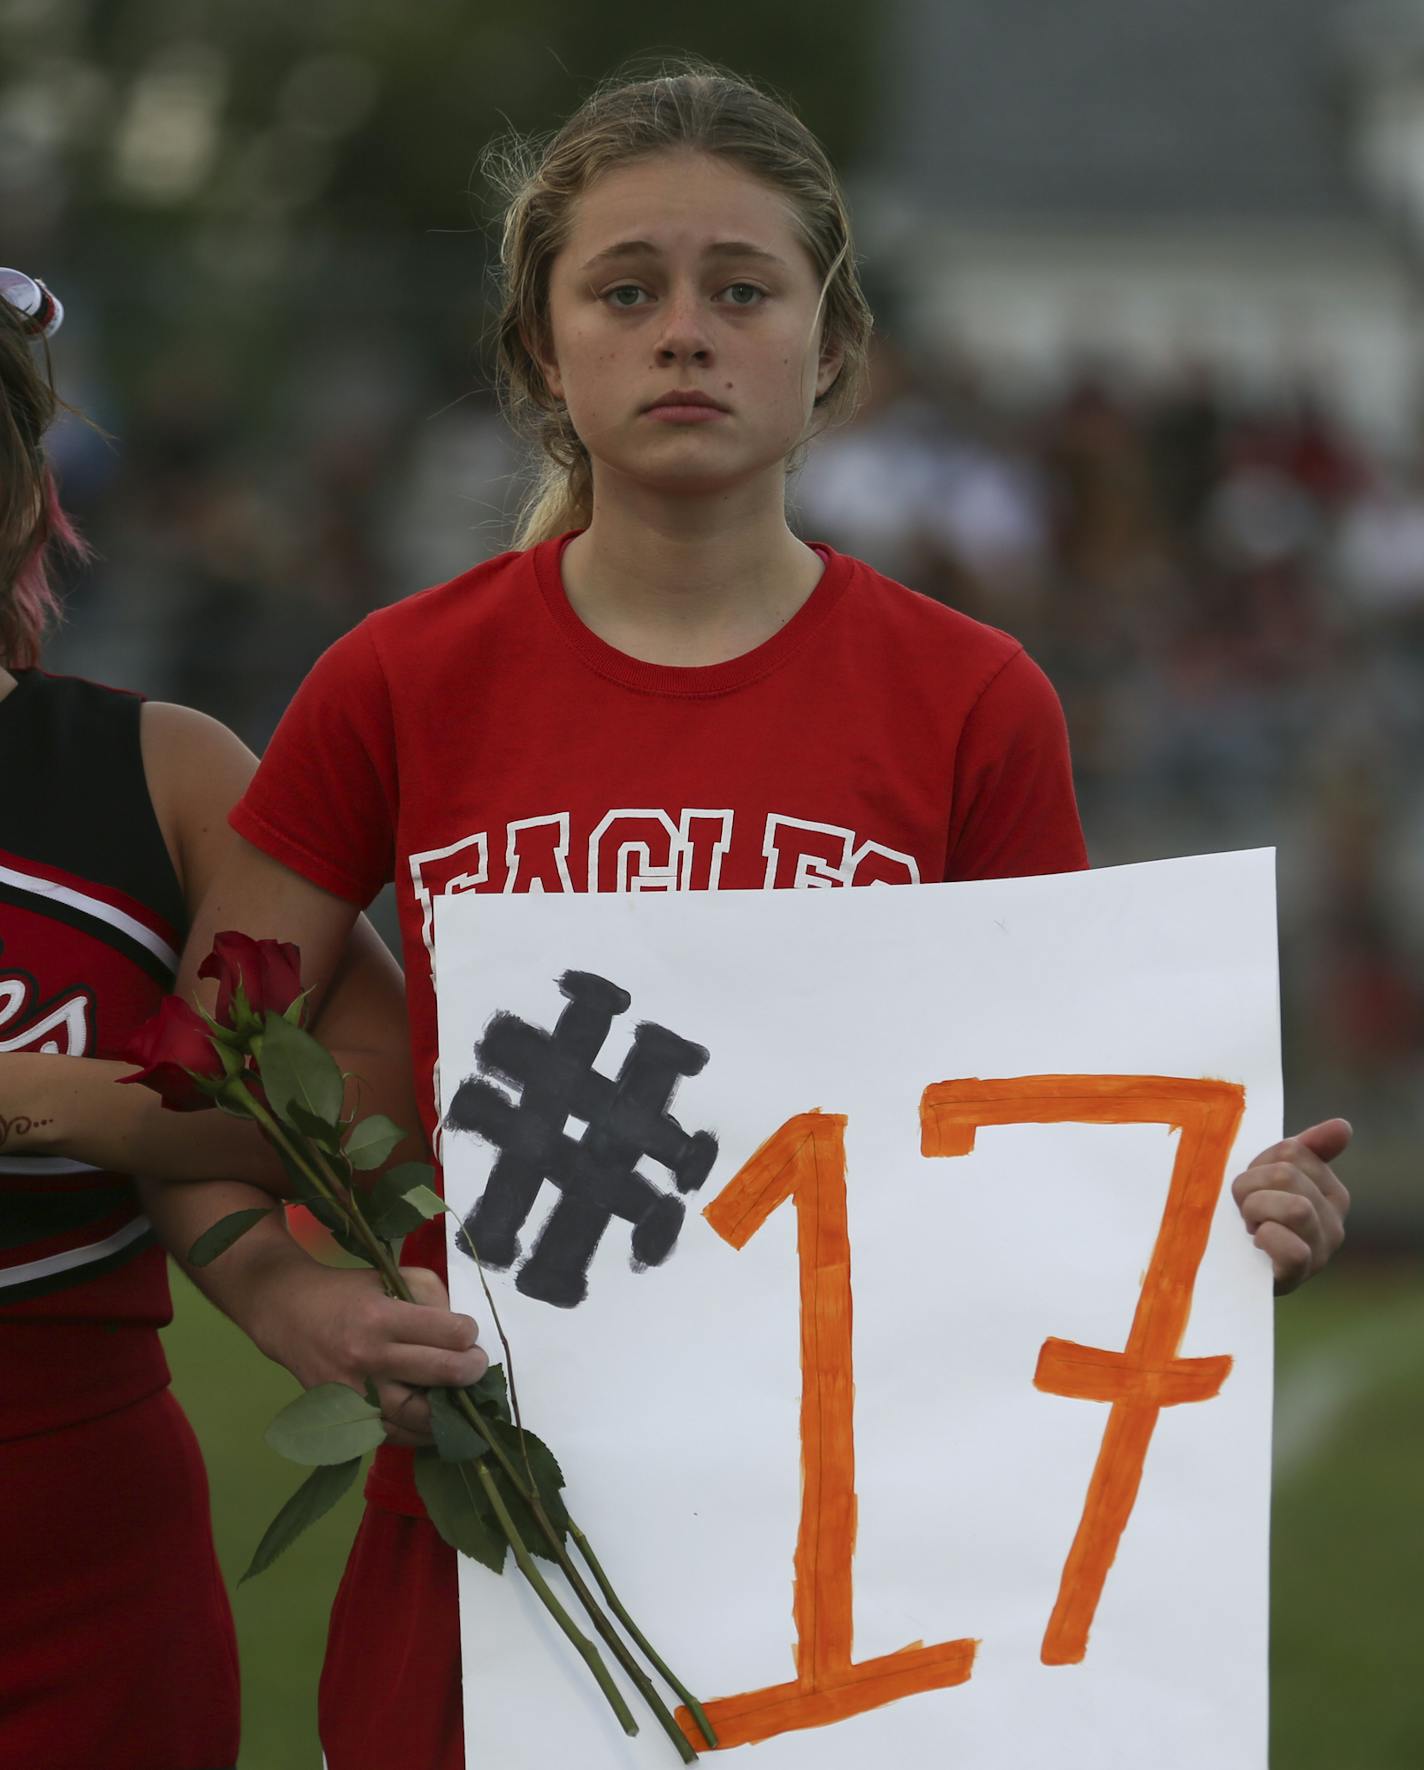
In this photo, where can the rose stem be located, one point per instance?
(391, 1273)
(646, 1689)
(585, 1647)
(584, 1547)
(330, 1189)
(615, 1604)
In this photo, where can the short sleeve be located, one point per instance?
(1015, 814)
(324, 798)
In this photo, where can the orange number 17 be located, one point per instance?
(804, 1161)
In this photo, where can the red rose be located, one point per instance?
(269, 971)
(175, 1048)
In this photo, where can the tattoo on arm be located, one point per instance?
(19, 1126)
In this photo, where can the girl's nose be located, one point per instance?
(684, 335)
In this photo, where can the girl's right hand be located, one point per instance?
(330, 1324)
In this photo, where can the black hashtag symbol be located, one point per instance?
(626, 1119)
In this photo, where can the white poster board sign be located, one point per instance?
(1012, 1507)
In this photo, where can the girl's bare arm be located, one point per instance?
(322, 1323)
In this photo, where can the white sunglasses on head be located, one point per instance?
(43, 312)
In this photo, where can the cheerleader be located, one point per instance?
(119, 1645)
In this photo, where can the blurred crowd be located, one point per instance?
(1229, 599)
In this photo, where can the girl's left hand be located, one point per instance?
(1294, 1204)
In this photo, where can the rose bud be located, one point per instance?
(175, 1048)
(269, 973)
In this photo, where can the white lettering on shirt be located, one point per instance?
(62, 1031)
(649, 849)
(460, 866)
(800, 854)
(536, 854)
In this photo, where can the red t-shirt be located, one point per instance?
(478, 737)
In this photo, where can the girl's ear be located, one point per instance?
(830, 366)
(541, 351)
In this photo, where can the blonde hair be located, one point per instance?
(697, 106)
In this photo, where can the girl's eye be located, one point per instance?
(629, 295)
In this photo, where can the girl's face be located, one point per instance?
(684, 273)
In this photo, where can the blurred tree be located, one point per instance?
(257, 171)
(377, 110)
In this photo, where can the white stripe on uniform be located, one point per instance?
(93, 906)
(52, 1263)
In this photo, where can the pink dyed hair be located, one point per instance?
(33, 604)
(34, 529)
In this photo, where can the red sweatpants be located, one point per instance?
(116, 1641)
(390, 1688)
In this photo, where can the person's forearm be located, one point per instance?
(324, 1324)
(239, 1281)
(73, 1106)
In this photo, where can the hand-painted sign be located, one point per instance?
(960, 1460)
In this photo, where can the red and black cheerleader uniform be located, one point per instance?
(117, 1649)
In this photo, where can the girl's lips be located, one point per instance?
(685, 414)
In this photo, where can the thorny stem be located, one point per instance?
(586, 1649)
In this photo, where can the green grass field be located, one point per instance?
(1347, 1532)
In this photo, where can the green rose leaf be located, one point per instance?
(459, 1508)
(233, 1061)
(372, 1141)
(397, 1181)
(424, 1200)
(296, 1009)
(325, 1213)
(335, 1224)
(401, 1200)
(325, 1136)
(491, 1393)
(327, 1424)
(455, 1438)
(221, 1035)
(548, 1478)
(547, 1473)
(312, 1500)
(220, 1236)
(232, 1099)
(296, 1069)
(242, 1015)
(523, 1517)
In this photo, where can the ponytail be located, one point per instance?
(552, 508)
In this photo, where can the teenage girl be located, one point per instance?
(659, 678)
(118, 1642)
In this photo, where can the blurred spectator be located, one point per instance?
(1379, 557)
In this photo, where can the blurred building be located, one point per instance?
(1235, 183)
